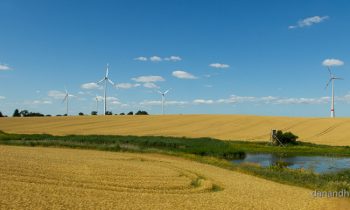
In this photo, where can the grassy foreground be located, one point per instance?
(204, 150)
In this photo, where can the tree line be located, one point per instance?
(26, 113)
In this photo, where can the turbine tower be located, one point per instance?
(96, 104)
(163, 98)
(66, 99)
(332, 77)
(106, 80)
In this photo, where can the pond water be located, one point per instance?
(318, 164)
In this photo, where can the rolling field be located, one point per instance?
(226, 127)
(50, 178)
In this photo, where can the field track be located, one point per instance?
(50, 178)
(225, 127)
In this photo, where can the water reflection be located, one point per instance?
(318, 164)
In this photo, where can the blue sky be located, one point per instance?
(225, 57)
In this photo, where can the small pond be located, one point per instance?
(318, 164)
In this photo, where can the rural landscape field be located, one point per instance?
(225, 127)
(46, 178)
(181, 104)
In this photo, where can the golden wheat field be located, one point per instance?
(50, 178)
(225, 127)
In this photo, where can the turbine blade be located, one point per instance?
(338, 78)
(329, 70)
(110, 81)
(101, 80)
(159, 92)
(329, 81)
(166, 91)
(107, 71)
(66, 90)
(65, 98)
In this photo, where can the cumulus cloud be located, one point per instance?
(332, 62)
(202, 101)
(90, 86)
(219, 65)
(141, 58)
(309, 21)
(150, 85)
(4, 67)
(183, 75)
(173, 58)
(155, 59)
(156, 103)
(146, 79)
(55, 94)
(2, 97)
(127, 85)
(41, 102)
(234, 99)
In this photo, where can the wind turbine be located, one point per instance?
(332, 77)
(163, 98)
(105, 79)
(96, 104)
(66, 99)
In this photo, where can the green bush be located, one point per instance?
(286, 138)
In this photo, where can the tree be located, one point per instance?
(1, 114)
(109, 113)
(24, 113)
(16, 113)
(81, 114)
(122, 113)
(93, 113)
(141, 113)
(131, 113)
(286, 138)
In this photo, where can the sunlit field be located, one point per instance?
(52, 178)
(225, 127)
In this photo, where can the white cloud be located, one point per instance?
(150, 85)
(42, 102)
(55, 94)
(4, 67)
(111, 98)
(202, 101)
(146, 79)
(155, 59)
(332, 62)
(236, 99)
(173, 58)
(127, 85)
(141, 58)
(2, 97)
(320, 100)
(309, 21)
(183, 75)
(90, 86)
(219, 65)
(156, 103)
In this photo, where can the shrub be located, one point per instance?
(131, 113)
(81, 114)
(109, 113)
(286, 138)
(122, 113)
